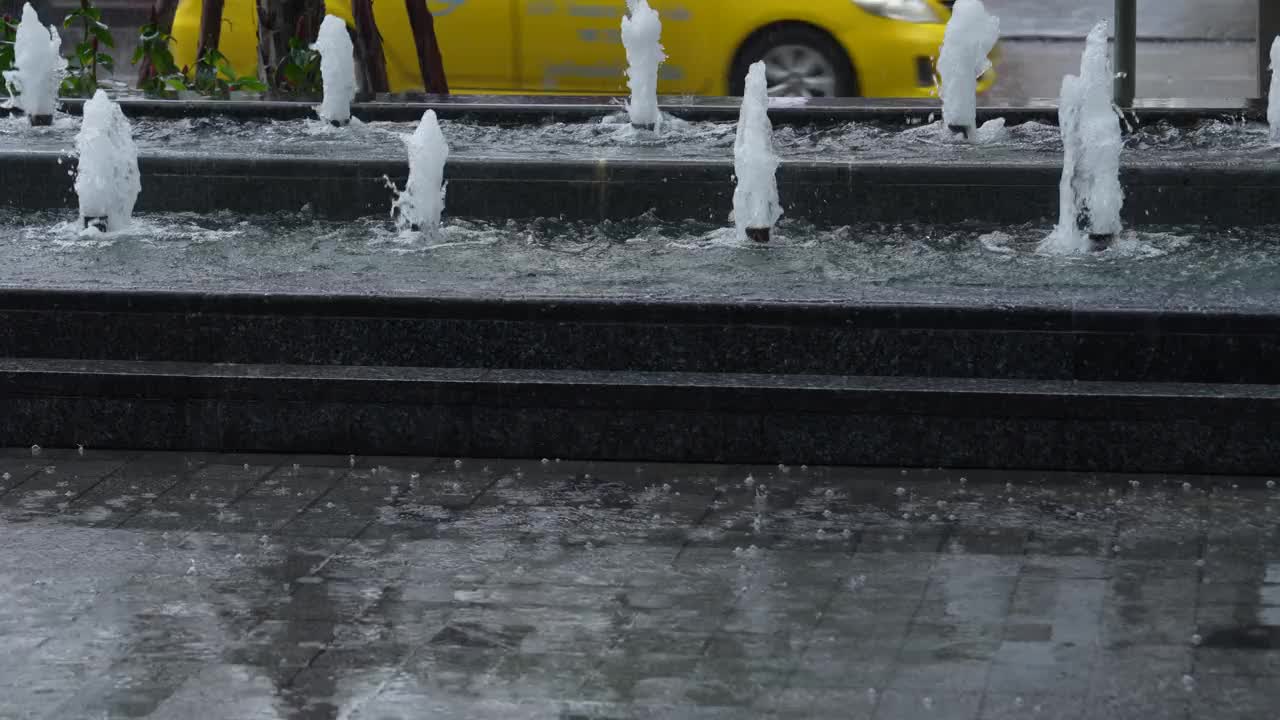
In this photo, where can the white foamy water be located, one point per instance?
(337, 70)
(419, 206)
(107, 178)
(641, 36)
(970, 36)
(1090, 195)
(38, 66)
(755, 199)
(1273, 101)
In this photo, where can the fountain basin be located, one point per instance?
(594, 303)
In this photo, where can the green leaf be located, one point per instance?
(177, 83)
(104, 35)
(137, 55)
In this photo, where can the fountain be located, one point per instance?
(641, 34)
(337, 71)
(107, 178)
(39, 66)
(755, 199)
(1089, 194)
(418, 207)
(1273, 99)
(971, 34)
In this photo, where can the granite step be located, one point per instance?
(627, 415)
(1011, 340)
(1209, 191)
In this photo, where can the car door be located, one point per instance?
(575, 46)
(477, 43)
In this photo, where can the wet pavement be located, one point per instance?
(220, 586)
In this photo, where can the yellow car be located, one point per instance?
(815, 48)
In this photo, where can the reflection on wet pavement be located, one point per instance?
(216, 586)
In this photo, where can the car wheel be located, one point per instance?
(800, 61)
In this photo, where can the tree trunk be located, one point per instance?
(424, 37)
(278, 22)
(162, 17)
(368, 44)
(210, 26)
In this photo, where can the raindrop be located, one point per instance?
(1196, 639)
(964, 480)
(927, 702)
(457, 463)
(296, 467)
(751, 480)
(942, 504)
(1271, 484)
(415, 476)
(900, 491)
(826, 514)
(6, 476)
(246, 466)
(351, 460)
(1186, 487)
(1200, 562)
(847, 533)
(933, 518)
(906, 516)
(545, 461)
(35, 451)
(784, 468)
(829, 493)
(804, 468)
(1008, 487)
(80, 450)
(1188, 683)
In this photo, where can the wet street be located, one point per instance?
(180, 586)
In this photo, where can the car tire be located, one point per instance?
(815, 65)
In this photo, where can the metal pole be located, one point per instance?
(1126, 52)
(1268, 29)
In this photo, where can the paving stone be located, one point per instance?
(185, 585)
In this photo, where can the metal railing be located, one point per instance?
(1126, 47)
